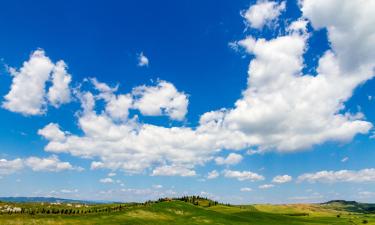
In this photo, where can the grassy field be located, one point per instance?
(179, 212)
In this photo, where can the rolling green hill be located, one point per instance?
(168, 211)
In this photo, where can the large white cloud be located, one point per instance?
(286, 110)
(364, 175)
(263, 13)
(281, 109)
(27, 94)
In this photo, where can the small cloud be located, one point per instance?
(246, 189)
(242, 175)
(157, 186)
(231, 159)
(213, 174)
(68, 191)
(266, 186)
(112, 174)
(344, 159)
(106, 180)
(281, 179)
(252, 152)
(142, 60)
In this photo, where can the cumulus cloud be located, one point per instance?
(52, 132)
(27, 93)
(281, 109)
(142, 60)
(263, 13)
(50, 164)
(59, 92)
(364, 175)
(10, 166)
(282, 179)
(231, 159)
(213, 174)
(162, 99)
(243, 175)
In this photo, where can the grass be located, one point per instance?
(179, 212)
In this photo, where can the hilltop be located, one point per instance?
(350, 206)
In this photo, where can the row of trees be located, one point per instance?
(196, 199)
(68, 211)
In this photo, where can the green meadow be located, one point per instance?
(200, 211)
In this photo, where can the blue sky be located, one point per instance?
(242, 101)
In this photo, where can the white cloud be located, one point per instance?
(282, 109)
(364, 175)
(345, 159)
(50, 164)
(68, 191)
(350, 31)
(52, 132)
(59, 92)
(246, 189)
(112, 174)
(142, 60)
(173, 171)
(298, 27)
(282, 179)
(118, 106)
(213, 174)
(243, 175)
(231, 159)
(10, 166)
(263, 13)
(266, 186)
(162, 99)
(27, 94)
(157, 186)
(106, 180)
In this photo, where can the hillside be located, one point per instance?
(169, 211)
(350, 206)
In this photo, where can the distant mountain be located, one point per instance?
(45, 199)
(350, 206)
